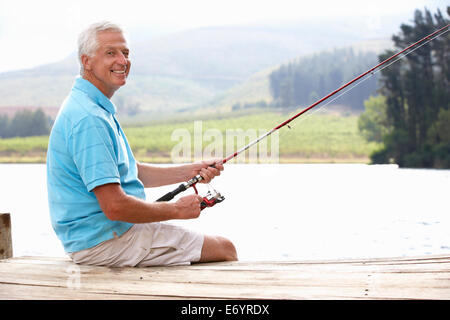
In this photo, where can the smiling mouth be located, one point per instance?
(122, 71)
(118, 71)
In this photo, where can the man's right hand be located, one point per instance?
(188, 207)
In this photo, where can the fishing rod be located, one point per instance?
(215, 197)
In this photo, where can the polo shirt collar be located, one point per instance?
(95, 94)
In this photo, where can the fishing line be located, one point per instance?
(360, 81)
(211, 199)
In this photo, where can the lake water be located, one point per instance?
(280, 212)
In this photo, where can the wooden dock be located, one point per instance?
(426, 277)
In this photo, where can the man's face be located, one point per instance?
(109, 67)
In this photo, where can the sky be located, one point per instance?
(33, 33)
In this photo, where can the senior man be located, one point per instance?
(95, 185)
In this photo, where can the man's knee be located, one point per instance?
(229, 249)
(217, 248)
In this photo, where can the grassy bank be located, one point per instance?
(316, 138)
(23, 150)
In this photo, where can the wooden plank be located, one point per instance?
(409, 286)
(25, 292)
(5, 236)
(425, 277)
(176, 282)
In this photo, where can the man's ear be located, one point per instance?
(86, 61)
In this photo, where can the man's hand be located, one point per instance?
(153, 176)
(205, 169)
(188, 207)
(118, 206)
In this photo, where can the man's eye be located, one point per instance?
(110, 53)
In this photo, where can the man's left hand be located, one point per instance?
(207, 169)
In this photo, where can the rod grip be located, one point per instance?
(170, 195)
(182, 187)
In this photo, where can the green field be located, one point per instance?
(312, 138)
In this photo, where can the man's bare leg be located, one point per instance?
(217, 248)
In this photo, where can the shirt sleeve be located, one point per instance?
(93, 145)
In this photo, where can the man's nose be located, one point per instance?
(121, 59)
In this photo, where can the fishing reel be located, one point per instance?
(212, 198)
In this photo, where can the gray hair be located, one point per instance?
(87, 40)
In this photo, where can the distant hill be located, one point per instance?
(199, 67)
(257, 87)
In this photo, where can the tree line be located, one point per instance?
(304, 81)
(25, 123)
(412, 116)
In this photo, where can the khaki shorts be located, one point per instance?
(144, 245)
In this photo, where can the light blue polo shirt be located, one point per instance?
(87, 148)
